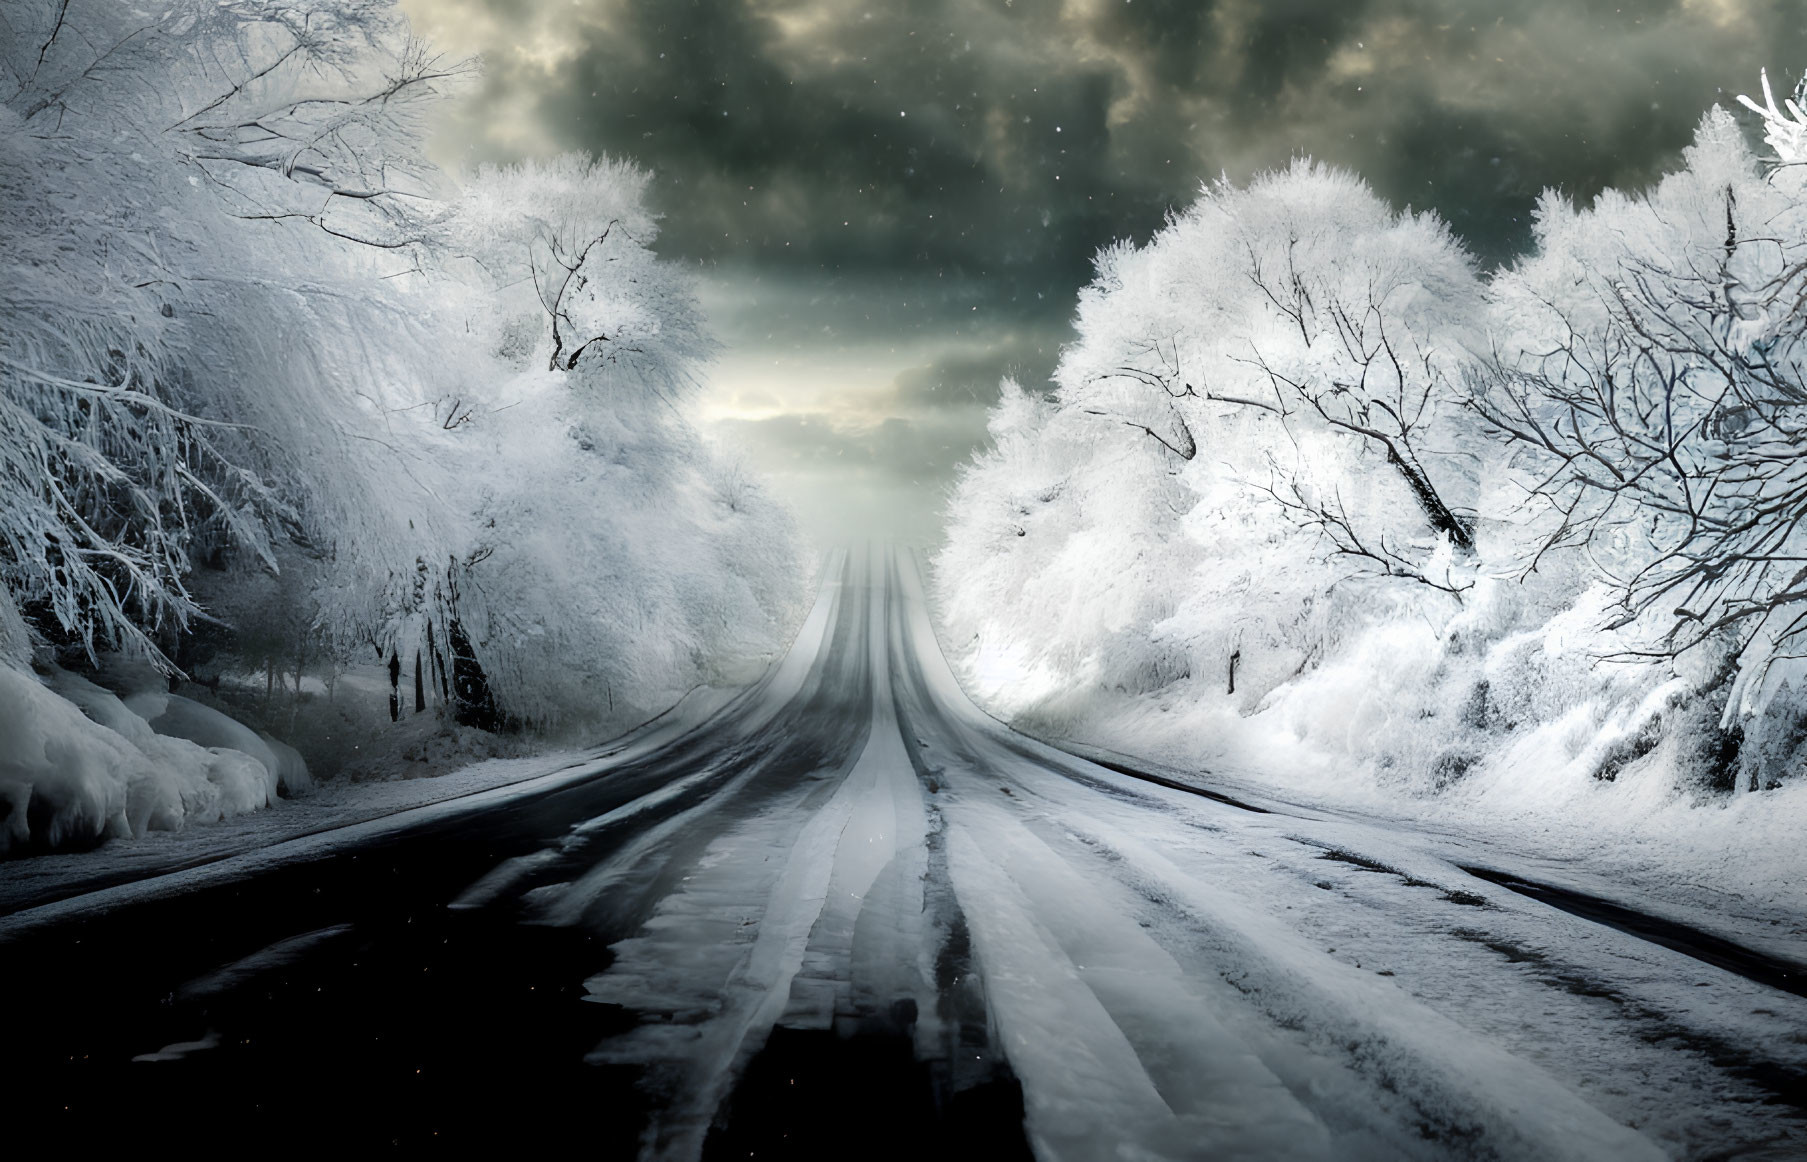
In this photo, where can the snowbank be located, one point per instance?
(78, 766)
(1503, 723)
(179, 717)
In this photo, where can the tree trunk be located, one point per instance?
(1459, 531)
(300, 668)
(420, 695)
(445, 695)
(473, 704)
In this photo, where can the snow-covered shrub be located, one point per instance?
(179, 717)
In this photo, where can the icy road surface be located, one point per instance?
(851, 916)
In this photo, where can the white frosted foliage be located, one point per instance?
(1313, 497)
(249, 322)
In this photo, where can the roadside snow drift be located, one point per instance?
(79, 765)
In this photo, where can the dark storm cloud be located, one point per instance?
(886, 143)
(1006, 140)
(920, 181)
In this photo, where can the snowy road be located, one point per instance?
(850, 915)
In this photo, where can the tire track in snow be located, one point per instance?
(1117, 1052)
(1054, 948)
(884, 837)
(771, 922)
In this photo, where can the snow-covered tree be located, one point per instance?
(1263, 403)
(578, 231)
(1784, 130)
(606, 566)
(1597, 451)
(1650, 373)
(1311, 341)
(190, 198)
(247, 322)
(1052, 570)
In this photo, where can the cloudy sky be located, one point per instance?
(892, 204)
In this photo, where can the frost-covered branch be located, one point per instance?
(1299, 318)
(1651, 379)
